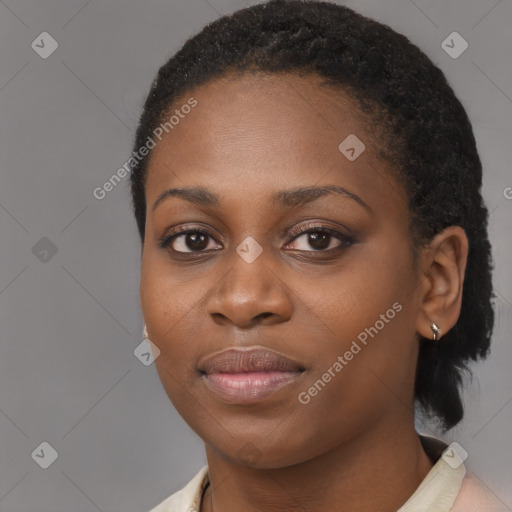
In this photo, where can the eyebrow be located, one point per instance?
(292, 197)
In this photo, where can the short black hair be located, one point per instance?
(428, 139)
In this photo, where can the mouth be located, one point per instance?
(247, 375)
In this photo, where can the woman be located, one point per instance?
(315, 262)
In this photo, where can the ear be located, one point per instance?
(443, 265)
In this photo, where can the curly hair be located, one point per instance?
(427, 137)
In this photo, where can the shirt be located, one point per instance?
(446, 487)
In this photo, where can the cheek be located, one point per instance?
(350, 297)
(169, 308)
(171, 314)
(365, 310)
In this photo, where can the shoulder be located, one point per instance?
(473, 496)
(187, 499)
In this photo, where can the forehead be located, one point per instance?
(277, 114)
(266, 131)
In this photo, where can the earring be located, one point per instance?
(436, 330)
(145, 332)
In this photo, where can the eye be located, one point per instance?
(318, 238)
(188, 241)
(309, 238)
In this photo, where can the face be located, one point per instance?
(324, 277)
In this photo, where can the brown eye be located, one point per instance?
(319, 239)
(189, 241)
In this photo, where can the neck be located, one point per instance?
(377, 470)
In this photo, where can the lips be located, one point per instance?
(252, 359)
(246, 375)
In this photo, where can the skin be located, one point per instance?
(249, 137)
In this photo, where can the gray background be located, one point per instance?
(70, 321)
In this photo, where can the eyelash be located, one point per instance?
(344, 239)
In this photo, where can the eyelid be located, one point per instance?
(186, 228)
(319, 226)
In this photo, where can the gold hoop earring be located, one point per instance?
(436, 330)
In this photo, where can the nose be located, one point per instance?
(250, 294)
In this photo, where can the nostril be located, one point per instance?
(264, 315)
